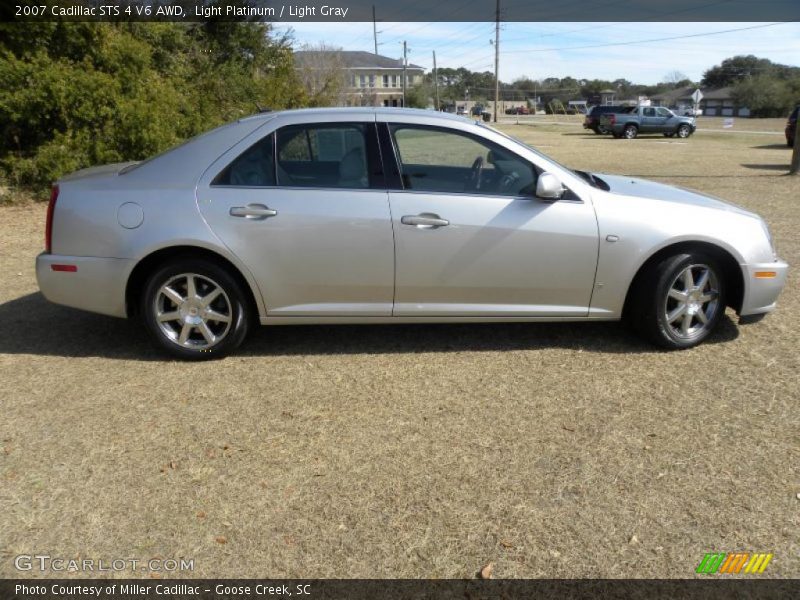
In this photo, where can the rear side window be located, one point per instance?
(255, 167)
(324, 155)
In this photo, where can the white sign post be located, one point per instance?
(696, 96)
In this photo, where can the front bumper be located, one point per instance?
(96, 284)
(761, 293)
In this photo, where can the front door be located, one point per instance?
(305, 208)
(471, 240)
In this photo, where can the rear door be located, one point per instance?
(305, 207)
(649, 121)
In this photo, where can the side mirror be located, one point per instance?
(549, 187)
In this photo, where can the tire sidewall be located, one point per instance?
(634, 132)
(686, 132)
(240, 317)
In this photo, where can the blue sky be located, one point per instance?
(540, 50)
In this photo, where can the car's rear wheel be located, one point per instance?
(630, 132)
(684, 131)
(681, 300)
(194, 310)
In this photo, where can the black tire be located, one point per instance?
(652, 303)
(630, 131)
(683, 131)
(597, 130)
(790, 143)
(230, 302)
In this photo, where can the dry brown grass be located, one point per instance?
(413, 451)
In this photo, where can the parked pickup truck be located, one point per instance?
(647, 119)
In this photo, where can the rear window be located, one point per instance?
(600, 110)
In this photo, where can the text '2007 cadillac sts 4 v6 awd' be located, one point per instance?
(363, 215)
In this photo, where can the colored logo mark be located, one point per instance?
(736, 562)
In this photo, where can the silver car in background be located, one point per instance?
(363, 215)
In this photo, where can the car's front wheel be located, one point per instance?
(684, 131)
(194, 309)
(681, 300)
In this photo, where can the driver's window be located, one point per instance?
(649, 112)
(433, 159)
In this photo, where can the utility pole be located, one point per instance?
(436, 79)
(405, 65)
(375, 30)
(496, 58)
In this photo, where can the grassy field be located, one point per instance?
(550, 450)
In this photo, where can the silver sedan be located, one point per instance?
(363, 215)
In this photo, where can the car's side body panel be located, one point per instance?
(634, 228)
(499, 256)
(96, 284)
(326, 252)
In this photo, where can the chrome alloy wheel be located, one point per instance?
(193, 311)
(692, 301)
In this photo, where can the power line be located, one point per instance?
(665, 39)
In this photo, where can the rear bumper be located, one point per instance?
(761, 293)
(96, 284)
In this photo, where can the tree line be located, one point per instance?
(768, 89)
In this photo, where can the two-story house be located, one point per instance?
(370, 79)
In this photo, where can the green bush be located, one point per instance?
(74, 95)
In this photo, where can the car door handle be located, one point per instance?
(425, 221)
(257, 212)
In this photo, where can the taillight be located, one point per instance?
(48, 227)
(612, 118)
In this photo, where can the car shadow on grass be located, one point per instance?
(32, 325)
(784, 167)
(771, 147)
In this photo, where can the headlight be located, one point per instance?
(765, 227)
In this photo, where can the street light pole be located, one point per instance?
(405, 65)
(375, 30)
(496, 59)
(436, 79)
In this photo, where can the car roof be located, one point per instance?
(357, 110)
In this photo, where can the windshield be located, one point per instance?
(586, 176)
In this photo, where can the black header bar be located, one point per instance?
(339, 11)
(712, 588)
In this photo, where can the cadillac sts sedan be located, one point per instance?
(363, 215)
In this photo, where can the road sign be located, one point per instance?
(697, 96)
